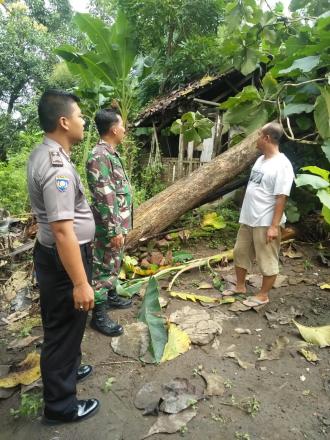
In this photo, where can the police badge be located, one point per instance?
(62, 183)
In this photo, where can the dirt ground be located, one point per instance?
(294, 394)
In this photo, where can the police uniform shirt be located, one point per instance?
(56, 193)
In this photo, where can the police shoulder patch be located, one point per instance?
(62, 183)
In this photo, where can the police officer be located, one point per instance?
(112, 209)
(62, 256)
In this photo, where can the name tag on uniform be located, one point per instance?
(62, 183)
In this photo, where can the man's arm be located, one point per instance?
(69, 252)
(273, 230)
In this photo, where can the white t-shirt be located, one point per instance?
(269, 178)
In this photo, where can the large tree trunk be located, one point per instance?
(162, 210)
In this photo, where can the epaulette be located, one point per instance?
(55, 158)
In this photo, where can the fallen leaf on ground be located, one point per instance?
(213, 220)
(150, 314)
(134, 342)
(197, 323)
(16, 282)
(36, 384)
(276, 349)
(325, 286)
(30, 322)
(284, 317)
(16, 316)
(171, 423)
(148, 396)
(242, 331)
(309, 355)
(242, 364)
(205, 285)
(239, 307)
(178, 395)
(215, 384)
(23, 342)
(315, 335)
(5, 393)
(291, 252)
(192, 297)
(178, 343)
(29, 371)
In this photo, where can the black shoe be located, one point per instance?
(83, 410)
(116, 302)
(103, 324)
(83, 372)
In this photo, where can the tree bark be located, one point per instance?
(162, 210)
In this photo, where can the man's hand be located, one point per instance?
(272, 233)
(117, 242)
(83, 297)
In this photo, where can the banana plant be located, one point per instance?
(109, 70)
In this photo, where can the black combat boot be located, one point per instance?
(116, 302)
(102, 323)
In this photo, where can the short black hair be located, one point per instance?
(105, 119)
(274, 130)
(53, 105)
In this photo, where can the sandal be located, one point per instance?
(231, 292)
(253, 301)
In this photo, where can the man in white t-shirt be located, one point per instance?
(262, 215)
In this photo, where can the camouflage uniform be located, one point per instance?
(112, 209)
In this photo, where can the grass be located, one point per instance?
(30, 406)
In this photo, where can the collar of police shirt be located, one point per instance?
(53, 144)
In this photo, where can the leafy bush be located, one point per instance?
(13, 184)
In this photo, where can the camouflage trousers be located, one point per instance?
(106, 265)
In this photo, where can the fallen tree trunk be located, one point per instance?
(162, 210)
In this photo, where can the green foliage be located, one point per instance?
(28, 31)
(13, 186)
(193, 126)
(149, 313)
(110, 67)
(30, 406)
(319, 180)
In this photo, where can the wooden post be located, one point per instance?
(180, 156)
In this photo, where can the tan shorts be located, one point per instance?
(251, 245)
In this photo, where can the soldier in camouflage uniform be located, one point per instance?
(112, 209)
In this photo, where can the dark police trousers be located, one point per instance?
(63, 327)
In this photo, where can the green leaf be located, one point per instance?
(318, 171)
(292, 211)
(324, 196)
(249, 93)
(326, 149)
(322, 113)
(150, 314)
(326, 214)
(305, 64)
(250, 62)
(315, 181)
(129, 291)
(191, 135)
(291, 109)
(204, 128)
(176, 126)
(213, 220)
(181, 256)
(304, 122)
(270, 85)
(188, 117)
